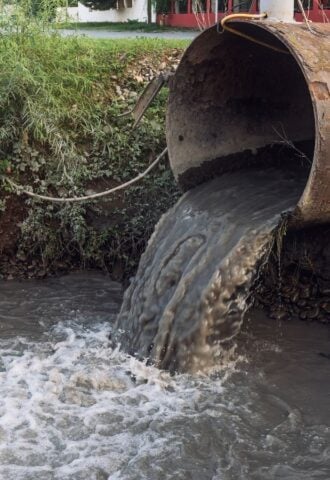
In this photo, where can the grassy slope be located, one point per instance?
(60, 133)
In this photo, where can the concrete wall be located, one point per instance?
(69, 14)
(137, 11)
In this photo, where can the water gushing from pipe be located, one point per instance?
(187, 301)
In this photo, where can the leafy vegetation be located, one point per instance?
(61, 134)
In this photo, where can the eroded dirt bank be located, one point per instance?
(296, 280)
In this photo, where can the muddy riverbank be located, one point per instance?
(295, 282)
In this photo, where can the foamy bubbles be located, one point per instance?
(75, 408)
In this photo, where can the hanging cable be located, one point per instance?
(302, 11)
(248, 16)
(22, 190)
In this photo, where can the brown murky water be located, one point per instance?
(191, 289)
(71, 407)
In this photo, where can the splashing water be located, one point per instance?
(73, 408)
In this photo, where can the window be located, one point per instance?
(324, 4)
(307, 4)
(199, 6)
(222, 5)
(182, 6)
(242, 5)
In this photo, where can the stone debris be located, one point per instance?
(145, 69)
(299, 285)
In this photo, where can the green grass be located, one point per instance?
(142, 44)
(118, 26)
(60, 131)
(55, 89)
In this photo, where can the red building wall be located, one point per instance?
(319, 11)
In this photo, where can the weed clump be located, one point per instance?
(61, 134)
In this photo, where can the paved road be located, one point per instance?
(178, 35)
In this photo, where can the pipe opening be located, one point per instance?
(235, 103)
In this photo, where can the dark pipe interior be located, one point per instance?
(235, 103)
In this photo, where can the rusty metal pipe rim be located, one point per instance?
(202, 93)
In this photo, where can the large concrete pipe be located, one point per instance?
(233, 101)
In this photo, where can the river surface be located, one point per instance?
(72, 407)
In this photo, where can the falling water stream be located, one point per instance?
(75, 405)
(191, 290)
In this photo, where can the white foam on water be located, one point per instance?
(75, 405)
(73, 408)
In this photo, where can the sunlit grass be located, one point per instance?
(60, 129)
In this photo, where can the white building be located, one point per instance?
(126, 10)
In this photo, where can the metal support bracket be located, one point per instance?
(148, 95)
